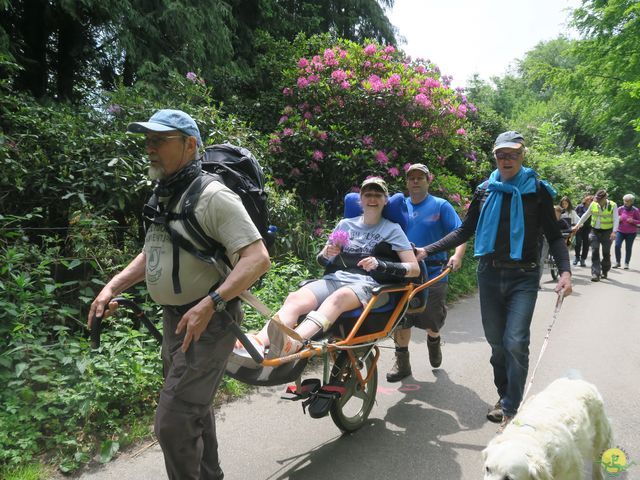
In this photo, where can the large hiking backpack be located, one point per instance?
(238, 169)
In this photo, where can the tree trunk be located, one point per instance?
(34, 30)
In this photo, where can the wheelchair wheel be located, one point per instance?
(351, 411)
(553, 268)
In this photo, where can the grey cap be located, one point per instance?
(375, 182)
(167, 120)
(420, 167)
(600, 194)
(509, 139)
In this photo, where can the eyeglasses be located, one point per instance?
(159, 140)
(508, 156)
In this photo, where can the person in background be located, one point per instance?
(604, 225)
(582, 236)
(627, 229)
(568, 212)
(506, 215)
(430, 219)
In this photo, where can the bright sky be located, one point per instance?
(464, 37)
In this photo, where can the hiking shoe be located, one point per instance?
(435, 352)
(576, 260)
(626, 266)
(604, 274)
(583, 263)
(506, 420)
(595, 278)
(617, 265)
(401, 368)
(494, 414)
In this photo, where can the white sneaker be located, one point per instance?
(240, 355)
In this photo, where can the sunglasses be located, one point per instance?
(508, 156)
(158, 141)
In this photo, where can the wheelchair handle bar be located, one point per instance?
(96, 323)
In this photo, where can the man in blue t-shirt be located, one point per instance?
(430, 219)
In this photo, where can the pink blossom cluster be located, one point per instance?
(339, 238)
(193, 77)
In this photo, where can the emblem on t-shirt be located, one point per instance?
(154, 271)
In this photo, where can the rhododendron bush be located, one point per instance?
(353, 111)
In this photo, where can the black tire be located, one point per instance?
(352, 410)
(553, 269)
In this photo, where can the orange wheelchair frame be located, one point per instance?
(349, 356)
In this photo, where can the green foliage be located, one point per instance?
(283, 277)
(582, 172)
(354, 111)
(58, 394)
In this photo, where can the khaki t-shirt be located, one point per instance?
(223, 217)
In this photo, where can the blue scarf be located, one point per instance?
(524, 182)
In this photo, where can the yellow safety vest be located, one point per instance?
(604, 215)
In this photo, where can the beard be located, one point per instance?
(156, 172)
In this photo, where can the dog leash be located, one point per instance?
(556, 311)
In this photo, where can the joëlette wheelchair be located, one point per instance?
(348, 350)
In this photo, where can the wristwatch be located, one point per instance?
(219, 303)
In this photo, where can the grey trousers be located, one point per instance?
(184, 423)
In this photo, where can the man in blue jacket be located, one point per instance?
(430, 219)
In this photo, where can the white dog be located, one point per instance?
(552, 436)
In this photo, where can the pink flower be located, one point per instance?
(318, 231)
(393, 171)
(287, 132)
(314, 201)
(381, 157)
(303, 82)
(423, 100)
(308, 115)
(338, 75)
(394, 80)
(406, 167)
(323, 135)
(317, 109)
(287, 92)
(279, 181)
(288, 110)
(313, 78)
(455, 197)
(274, 140)
(318, 155)
(389, 49)
(420, 69)
(329, 54)
(355, 189)
(367, 140)
(432, 83)
(114, 109)
(295, 172)
(367, 64)
(344, 85)
(370, 49)
(303, 62)
(461, 131)
(192, 76)
(393, 154)
(339, 238)
(314, 166)
(283, 119)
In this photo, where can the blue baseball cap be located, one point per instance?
(167, 120)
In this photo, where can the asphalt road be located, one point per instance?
(432, 425)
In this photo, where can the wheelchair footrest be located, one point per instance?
(307, 388)
(320, 402)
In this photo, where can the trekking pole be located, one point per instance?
(556, 311)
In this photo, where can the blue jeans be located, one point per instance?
(507, 300)
(628, 239)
